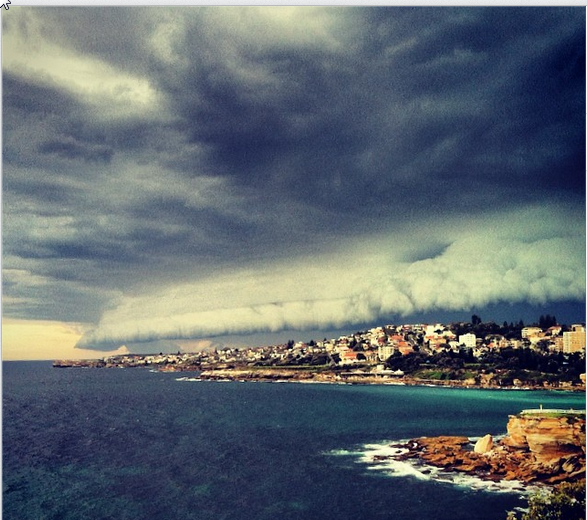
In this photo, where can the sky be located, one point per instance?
(175, 178)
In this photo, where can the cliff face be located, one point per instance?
(549, 437)
(544, 446)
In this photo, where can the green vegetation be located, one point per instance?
(555, 414)
(499, 358)
(293, 368)
(566, 502)
(430, 374)
(443, 374)
(506, 365)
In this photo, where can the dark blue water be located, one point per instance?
(133, 444)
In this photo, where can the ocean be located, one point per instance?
(132, 444)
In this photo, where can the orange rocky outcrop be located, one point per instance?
(543, 446)
(548, 436)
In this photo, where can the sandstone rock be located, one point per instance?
(548, 438)
(516, 437)
(442, 442)
(544, 447)
(511, 475)
(472, 465)
(484, 444)
(573, 464)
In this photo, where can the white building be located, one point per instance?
(573, 341)
(530, 331)
(384, 351)
(431, 329)
(469, 340)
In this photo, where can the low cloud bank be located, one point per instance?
(365, 284)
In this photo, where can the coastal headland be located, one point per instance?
(324, 375)
(470, 355)
(541, 446)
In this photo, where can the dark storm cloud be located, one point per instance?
(464, 99)
(32, 113)
(74, 150)
(118, 36)
(38, 188)
(42, 120)
(23, 97)
(39, 302)
(147, 148)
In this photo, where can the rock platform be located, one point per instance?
(542, 447)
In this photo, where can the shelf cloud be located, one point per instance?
(189, 172)
(364, 284)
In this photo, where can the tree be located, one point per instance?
(566, 502)
(475, 320)
(547, 321)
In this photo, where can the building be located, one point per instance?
(349, 358)
(554, 331)
(385, 351)
(528, 332)
(558, 344)
(469, 340)
(405, 348)
(574, 341)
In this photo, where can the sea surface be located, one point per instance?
(132, 444)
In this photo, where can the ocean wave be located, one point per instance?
(380, 458)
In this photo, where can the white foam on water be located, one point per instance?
(396, 468)
(343, 453)
(383, 450)
(380, 458)
(501, 486)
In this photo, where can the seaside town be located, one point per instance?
(472, 354)
(542, 446)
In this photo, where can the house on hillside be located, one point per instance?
(528, 332)
(469, 340)
(350, 357)
(574, 341)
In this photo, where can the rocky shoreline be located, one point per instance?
(315, 376)
(319, 375)
(541, 446)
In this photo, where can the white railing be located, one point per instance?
(559, 411)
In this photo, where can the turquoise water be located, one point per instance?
(133, 444)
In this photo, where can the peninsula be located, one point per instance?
(474, 354)
(541, 446)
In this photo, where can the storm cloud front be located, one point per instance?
(193, 172)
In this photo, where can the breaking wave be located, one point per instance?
(380, 458)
